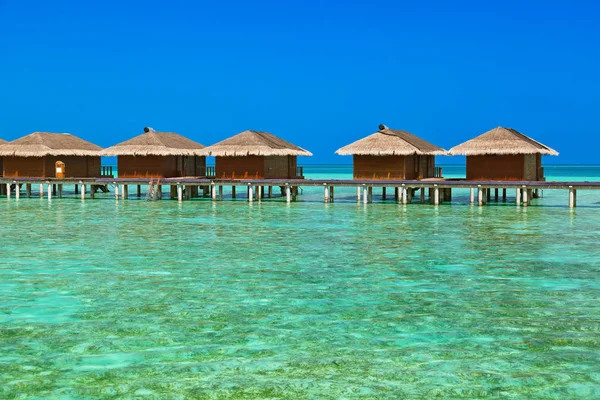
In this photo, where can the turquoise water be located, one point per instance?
(168, 300)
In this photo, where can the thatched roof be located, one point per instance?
(388, 142)
(152, 143)
(3, 141)
(501, 141)
(255, 143)
(40, 144)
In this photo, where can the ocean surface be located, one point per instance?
(268, 300)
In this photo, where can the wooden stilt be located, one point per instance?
(383, 193)
(250, 194)
(233, 192)
(503, 194)
(479, 196)
(17, 191)
(220, 192)
(525, 194)
(518, 196)
(54, 190)
(358, 194)
(572, 197)
(49, 187)
(159, 192)
(422, 195)
(41, 190)
(436, 195)
(288, 194)
(125, 191)
(139, 190)
(60, 191)
(496, 195)
(28, 190)
(365, 195)
(116, 191)
(396, 193)
(370, 194)
(270, 194)
(326, 193)
(213, 192)
(179, 193)
(82, 191)
(404, 195)
(76, 189)
(331, 194)
(488, 195)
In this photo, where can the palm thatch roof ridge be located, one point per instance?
(153, 143)
(388, 142)
(2, 141)
(254, 143)
(41, 144)
(501, 141)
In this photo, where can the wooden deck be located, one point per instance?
(439, 190)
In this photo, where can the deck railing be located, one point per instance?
(107, 171)
(298, 173)
(438, 172)
(207, 172)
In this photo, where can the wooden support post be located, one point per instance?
(288, 194)
(525, 194)
(250, 194)
(326, 193)
(92, 191)
(503, 194)
(28, 190)
(448, 195)
(270, 191)
(159, 192)
(49, 187)
(139, 190)
(479, 196)
(358, 194)
(205, 190)
(331, 194)
(116, 190)
(41, 190)
(436, 195)
(76, 189)
(370, 193)
(365, 195)
(404, 195)
(383, 193)
(54, 189)
(233, 192)
(82, 191)
(179, 193)
(220, 192)
(397, 193)
(572, 197)
(259, 193)
(294, 193)
(213, 192)
(422, 195)
(496, 195)
(518, 196)
(488, 195)
(125, 191)
(17, 191)
(188, 192)
(60, 190)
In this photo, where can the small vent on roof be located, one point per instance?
(148, 129)
(382, 127)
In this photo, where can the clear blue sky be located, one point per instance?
(318, 73)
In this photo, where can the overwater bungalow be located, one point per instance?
(393, 154)
(50, 155)
(503, 154)
(1, 168)
(158, 155)
(256, 155)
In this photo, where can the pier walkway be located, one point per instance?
(434, 191)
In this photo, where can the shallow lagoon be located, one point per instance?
(134, 299)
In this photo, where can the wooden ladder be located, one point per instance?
(152, 188)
